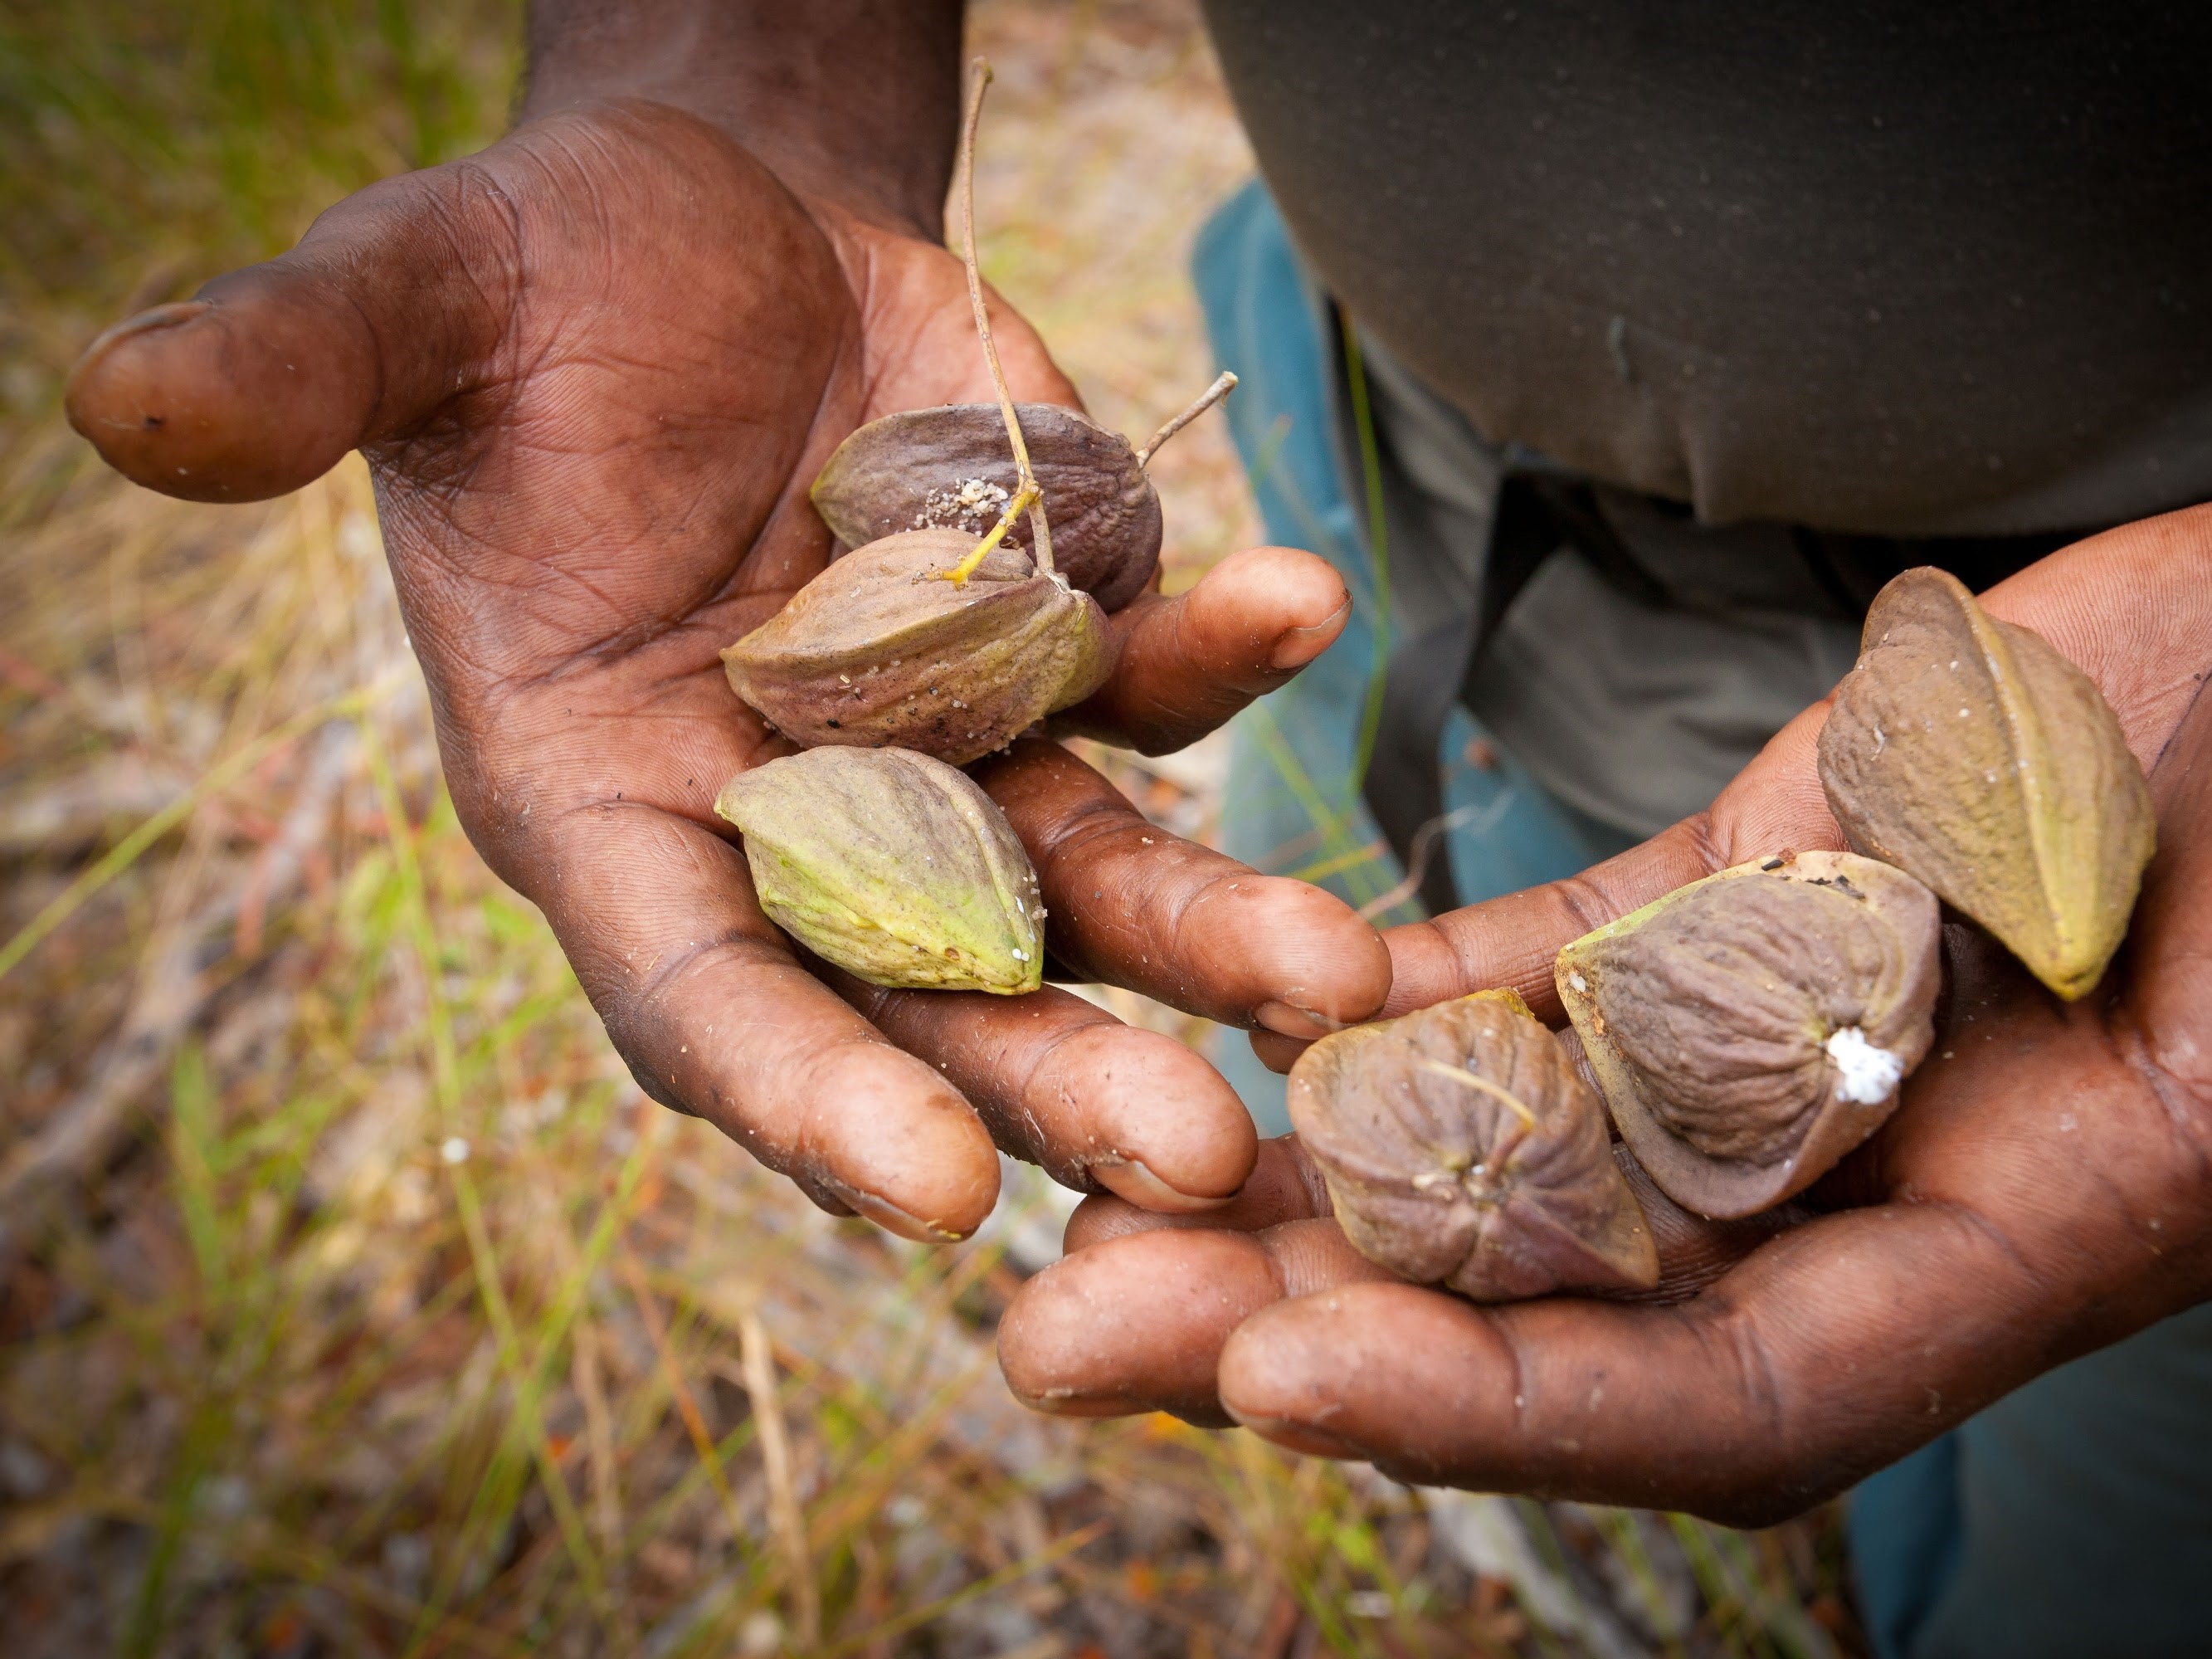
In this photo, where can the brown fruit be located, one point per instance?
(878, 649)
(952, 468)
(1968, 751)
(1461, 1148)
(892, 866)
(1749, 1030)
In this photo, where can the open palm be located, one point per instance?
(2045, 1188)
(595, 369)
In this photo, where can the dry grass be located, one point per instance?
(351, 1299)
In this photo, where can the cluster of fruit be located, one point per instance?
(1747, 1031)
(961, 617)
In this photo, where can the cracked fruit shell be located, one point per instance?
(1751, 1029)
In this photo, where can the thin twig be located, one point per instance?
(1223, 384)
(1025, 479)
(785, 1516)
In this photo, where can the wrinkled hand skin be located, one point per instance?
(2045, 1189)
(593, 370)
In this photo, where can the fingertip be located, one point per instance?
(236, 397)
(1132, 1179)
(899, 1144)
(1282, 1188)
(1322, 968)
(1290, 601)
(1180, 1137)
(1134, 1324)
(1276, 1052)
(1301, 1437)
(1283, 1367)
(1103, 1216)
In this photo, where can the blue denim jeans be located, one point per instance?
(2072, 1518)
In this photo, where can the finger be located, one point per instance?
(1077, 1343)
(1156, 1358)
(1130, 904)
(1064, 1085)
(1775, 805)
(1740, 1407)
(261, 383)
(1283, 1186)
(1279, 1052)
(714, 1015)
(1183, 665)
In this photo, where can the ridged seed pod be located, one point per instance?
(892, 866)
(1461, 1148)
(881, 649)
(1968, 751)
(1749, 1030)
(951, 468)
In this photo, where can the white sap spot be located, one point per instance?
(1581, 985)
(455, 1151)
(1020, 955)
(1865, 1075)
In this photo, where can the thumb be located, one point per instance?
(1774, 804)
(265, 379)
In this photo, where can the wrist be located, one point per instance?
(855, 102)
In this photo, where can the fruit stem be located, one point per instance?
(1026, 483)
(1223, 384)
(1023, 499)
(1459, 1074)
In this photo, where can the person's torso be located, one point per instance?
(1885, 268)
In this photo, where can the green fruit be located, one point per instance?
(892, 866)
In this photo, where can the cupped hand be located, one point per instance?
(2045, 1188)
(595, 369)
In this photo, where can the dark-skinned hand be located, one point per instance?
(2045, 1188)
(595, 369)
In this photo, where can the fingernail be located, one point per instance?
(889, 1217)
(1066, 1402)
(1300, 645)
(169, 316)
(1131, 1179)
(1286, 1020)
(156, 321)
(1298, 1436)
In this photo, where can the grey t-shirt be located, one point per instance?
(1894, 267)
